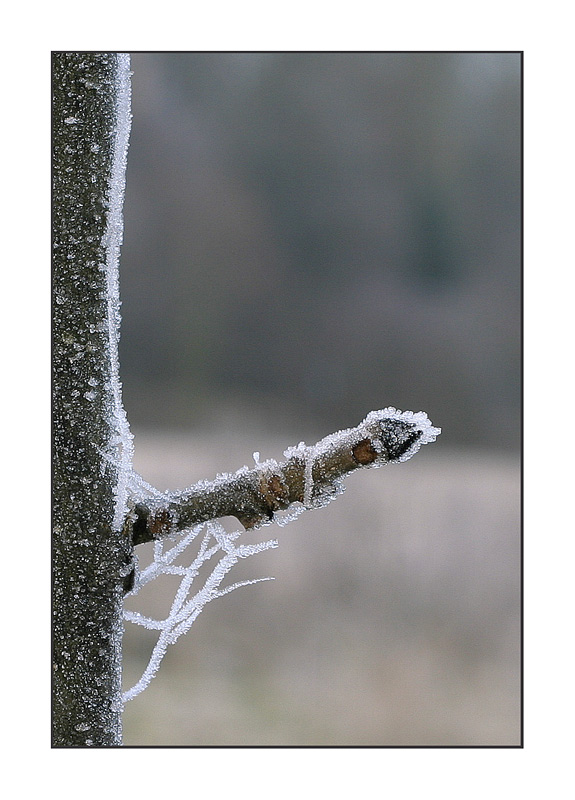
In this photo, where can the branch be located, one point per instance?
(311, 476)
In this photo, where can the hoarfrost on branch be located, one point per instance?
(387, 436)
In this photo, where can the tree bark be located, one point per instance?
(90, 554)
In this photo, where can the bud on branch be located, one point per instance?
(310, 476)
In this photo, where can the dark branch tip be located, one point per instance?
(397, 437)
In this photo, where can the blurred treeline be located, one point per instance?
(310, 236)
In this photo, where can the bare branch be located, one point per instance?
(310, 476)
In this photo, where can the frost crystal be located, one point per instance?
(215, 546)
(122, 445)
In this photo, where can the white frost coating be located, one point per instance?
(121, 446)
(283, 518)
(417, 418)
(217, 544)
(139, 490)
(316, 499)
(187, 606)
(310, 455)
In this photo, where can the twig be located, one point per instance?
(310, 476)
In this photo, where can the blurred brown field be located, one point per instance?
(393, 619)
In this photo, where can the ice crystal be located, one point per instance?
(122, 446)
(204, 544)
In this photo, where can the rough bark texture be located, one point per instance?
(89, 557)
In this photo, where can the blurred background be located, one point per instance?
(308, 237)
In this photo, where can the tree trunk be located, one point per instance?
(91, 442)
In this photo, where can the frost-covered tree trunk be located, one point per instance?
(91, 441)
